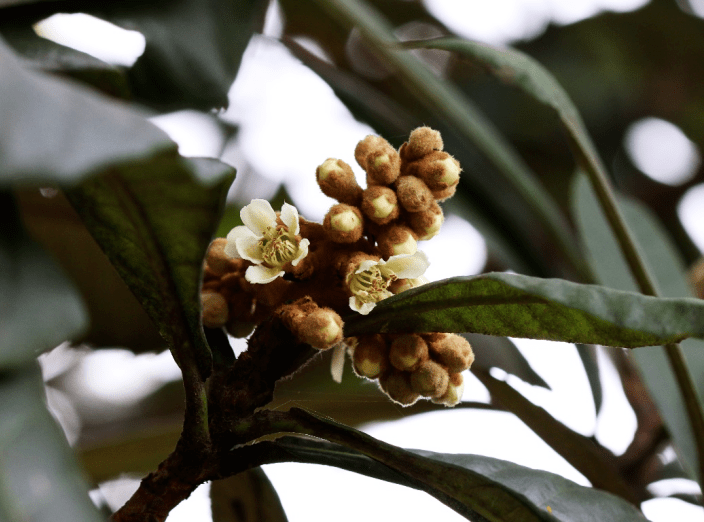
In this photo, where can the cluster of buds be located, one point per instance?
(411, 366)
(365, 250)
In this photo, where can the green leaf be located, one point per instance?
(474, 486)
(154, 220)
(611, 269)
(514, 305)
(193, 48)
(39, 307)
(39, 479)
(246, 497)
(57, 131)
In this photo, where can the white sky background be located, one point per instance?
(290, 122)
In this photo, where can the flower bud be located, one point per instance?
(426, 224)
(344, 223)
(443, 194)
(421, 142)
(438, 170)
(215, 309)
(371, 356)
(336, 180)
(454, 352)
(396, 385)
(379, 159)
(413, 194)
(455, 389)
(407, 352)
(322, 329)
(380, 204)
(396, 240)
(430, 379)
(218, 262)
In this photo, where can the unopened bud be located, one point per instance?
(454, 352)
(455, 389)
(379, 159)
(438, 170)
(322, 329)
(408, 352)
(396, 385)
(215, 309)
(421, 142)
(430, 379)
(380, 204)
(218, 262)
(344, 223)
(336, 180)
(413, 194)
(397, 240)
(371, 356)
(426, 224)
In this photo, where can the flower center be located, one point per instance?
(371, 285)
(278, 246)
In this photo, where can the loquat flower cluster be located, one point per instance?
(365, 250)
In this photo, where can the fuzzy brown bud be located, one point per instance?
(379, 159)
(215, 309)
(396, 385)
(454, 352)
(396, 240)
(421, 142)
(380, 204)
(413, 194)
(218, 262)
(336, 180)
(438, 170)
(371, 356)
(455, 389)
(443, 194)
(408, 352)
(430, 379)
(322, 329)
(426, 224)
(344, 223)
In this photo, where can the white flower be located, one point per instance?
(265, 243)
(370, 282)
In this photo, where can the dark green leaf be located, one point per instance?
(588, 356)
(499, 352)
(246, 497)
(513, 305)
(154, 220)
(39, 307)
(611, 269)
(57, 131)
(193, 49)
(39, 479)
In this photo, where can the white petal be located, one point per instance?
(364, 309)
(366, 265)
(249, 248)
(259, 274)
(409, 267)
(302, 251)
(289, 215)
(232, 237)
(337, 365)
(258, 215)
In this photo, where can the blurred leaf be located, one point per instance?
(611, 269)
(116, 317)
(474, 486)
(57, 131)
(39, 479)
(446, 101)
(193, 49)
(39, 307)
(587, 354)
(499, 352)
(44, 55)
(514, 305)
(154, 220)
(246, 497)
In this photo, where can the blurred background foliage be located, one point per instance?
(618, 68)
